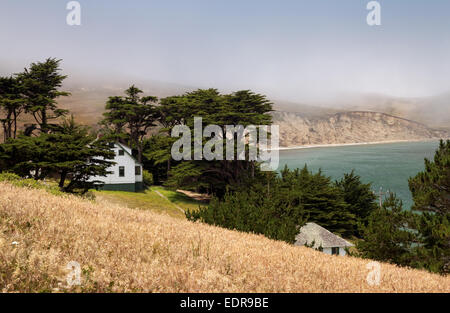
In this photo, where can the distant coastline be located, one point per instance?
(353, 144)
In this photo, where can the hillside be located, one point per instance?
(302, 124)
(355, 120)
(433, 111)
(122, 249)
(297, 129)
(87, 101)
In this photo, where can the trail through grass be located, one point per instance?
(158, 199)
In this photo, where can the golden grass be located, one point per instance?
(123, 249)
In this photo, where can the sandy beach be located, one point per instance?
(352, 144)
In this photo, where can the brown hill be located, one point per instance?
(433, 111)
(349, 127)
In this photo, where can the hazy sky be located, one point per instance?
(293, 50)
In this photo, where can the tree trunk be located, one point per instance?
(36, 173)
(168, 167)
(7, 126)
(44, 125)
(139, 148)
(62, 179)
(15, 124)
(5, 136)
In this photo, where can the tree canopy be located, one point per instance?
(431, 193)
(40, 84)
(276, 205)
(419, 238)
(69, 150)
(129, 118)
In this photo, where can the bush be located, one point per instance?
(10, 177)
(148, 177)
(29, 183)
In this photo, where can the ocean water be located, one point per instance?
(384, 165)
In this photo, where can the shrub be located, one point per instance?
(148, 177)
(29, 183)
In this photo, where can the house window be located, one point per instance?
(335, 251)
(121, 152)
(121, 171)
(111, 144)
(137, 170)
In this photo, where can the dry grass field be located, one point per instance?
(128, 250)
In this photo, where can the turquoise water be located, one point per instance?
(384, 165)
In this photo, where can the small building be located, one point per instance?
(126, 173)
(321, 239)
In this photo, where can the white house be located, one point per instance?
(126, 173)
(322, 239)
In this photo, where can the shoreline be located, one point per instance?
(353, 144)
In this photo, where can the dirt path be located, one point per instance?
(195, 195)
(164, 197)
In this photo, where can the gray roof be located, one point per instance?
(321, 237)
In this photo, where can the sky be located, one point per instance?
(294, 50)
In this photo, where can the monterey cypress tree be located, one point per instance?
(431, 194)
(386, 233)
(40, 88)
(359, 197)
(419, 238)
(11, 105)
(239, 108)
(171, 111)
(129, 118)
(69, 151)
(431, 188)
(321, 200)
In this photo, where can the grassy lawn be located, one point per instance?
(151, 200)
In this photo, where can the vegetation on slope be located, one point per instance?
(278, 205)
(419, 238)
(122, 249)
(156, 198)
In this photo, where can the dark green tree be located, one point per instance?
(359, 197)
(255, 210)
(431, 188)
(69, 151)
(128, 119)
(320, 198)
(157, 156)
(277, 205)
(11, 105)
(40, 89)
(171, 111)
(239, 108)
(431, 195)
(387, 234)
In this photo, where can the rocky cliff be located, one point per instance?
(297, 129)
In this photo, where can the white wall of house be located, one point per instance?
(328, 251)
(125, 161)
